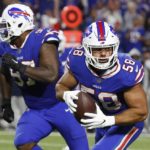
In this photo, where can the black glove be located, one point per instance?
(11, 62)
(8, 114)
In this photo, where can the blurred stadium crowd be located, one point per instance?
(131, 20)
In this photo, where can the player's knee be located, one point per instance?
(28, 146)
(22, 139)
(22, 143)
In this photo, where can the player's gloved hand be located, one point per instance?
(10, 61)
(6, 111)
(69, 97)
(98, 120)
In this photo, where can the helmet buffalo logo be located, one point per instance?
(16, 13)
(88, 31)
(112, 30)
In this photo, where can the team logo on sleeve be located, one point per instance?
(16, 13)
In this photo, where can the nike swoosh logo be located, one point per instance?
(103, 121)
(66, 110)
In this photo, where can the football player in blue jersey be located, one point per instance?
(113, 80)
(30, 56)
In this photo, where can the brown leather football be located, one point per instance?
(85, 103)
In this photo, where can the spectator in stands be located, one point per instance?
(18, 104)
(130, 14)
(101, 9)
(48, 19)
(146, 82)
(135, 54)
(113, 14)
(135, 36)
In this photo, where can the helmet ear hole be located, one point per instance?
(19, 25)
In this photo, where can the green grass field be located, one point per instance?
(56, 142)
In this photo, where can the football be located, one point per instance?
(85, 103)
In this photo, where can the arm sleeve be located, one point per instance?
(51, 37)
(136, 76)
(70, 61)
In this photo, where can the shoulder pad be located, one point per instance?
(51, 35)
(75, 56)
(132, 71)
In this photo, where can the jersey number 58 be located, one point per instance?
(128, 65)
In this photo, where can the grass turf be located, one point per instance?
(56, 142)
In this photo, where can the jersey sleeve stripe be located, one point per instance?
(67, 63)
(140, 75)
(140, 79)
(126, 139)
(52, 39)
(67, 66)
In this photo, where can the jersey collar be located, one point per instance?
(14, 47)
(113, 71)
(110, 72)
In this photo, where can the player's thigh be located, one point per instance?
(119, 137)
(99, 133)
(69, 128)
(31, 128)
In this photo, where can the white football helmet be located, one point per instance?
(100, 35)
(15, 20)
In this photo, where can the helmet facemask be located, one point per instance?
(5, 31)
(101, 62)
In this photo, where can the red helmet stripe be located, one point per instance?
(101, 30)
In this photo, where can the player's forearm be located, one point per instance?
(60, 89)
(130, 116)
(42, 74)
(5, 87)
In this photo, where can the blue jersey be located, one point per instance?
(134, 41)
(107, 89)
(37, 95)
(64, 55)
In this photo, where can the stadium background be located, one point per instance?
(131, 20)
